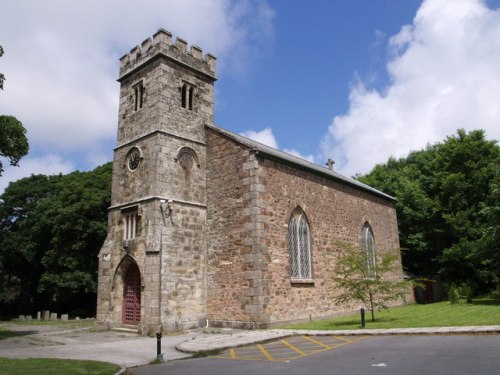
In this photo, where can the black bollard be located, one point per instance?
(362, 318)
(158, 347)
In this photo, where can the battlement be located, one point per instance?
(161, 44)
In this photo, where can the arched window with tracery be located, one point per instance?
(299, 245)
(368, 248)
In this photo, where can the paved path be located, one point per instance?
(123, 349)
(127, 349)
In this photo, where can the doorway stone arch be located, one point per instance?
(127, 292)
(131, 308)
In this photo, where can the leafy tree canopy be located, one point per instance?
(376, 291)
(2, 77)
(13, 141)
(51, 229)
(448, 208)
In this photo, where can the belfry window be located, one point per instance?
(130, 220)
(138, 96)
(187, 93)
(368, 248)
(299, 246)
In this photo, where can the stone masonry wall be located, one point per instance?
(336, 212)
(234, 251)
(168, 188)
(250, 200)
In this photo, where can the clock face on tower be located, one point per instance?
(134, 158)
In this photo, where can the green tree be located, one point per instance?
(51, 229)
(2, 77)
(376, 291)
(13, 141)
(77, 218)
(21, 240)
(447, 208)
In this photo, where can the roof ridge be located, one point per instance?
(278, 154)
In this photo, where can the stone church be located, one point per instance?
(209, 228)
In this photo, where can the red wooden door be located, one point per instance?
(132, 295)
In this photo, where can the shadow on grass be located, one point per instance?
(330, 325)
(487, 302)
(353, 324)
(8, 334)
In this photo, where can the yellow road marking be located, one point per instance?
(264, 351)
(317, 342)
(270, 349)
(349, 342)
(293, 347)
(342, 338)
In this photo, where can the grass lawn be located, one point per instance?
(483, 311)
(43, 366)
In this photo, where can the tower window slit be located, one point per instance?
(191, 89)
(138, 96)
(187, 95)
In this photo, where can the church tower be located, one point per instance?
(152, 264)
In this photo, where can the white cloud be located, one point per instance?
(444, 75)
(264, 136)
(48, 165)
(267, 137)
(61, 60)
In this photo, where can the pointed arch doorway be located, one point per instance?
(132, 295)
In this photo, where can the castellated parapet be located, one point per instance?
(161, 44)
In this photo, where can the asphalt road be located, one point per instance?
(387, 355)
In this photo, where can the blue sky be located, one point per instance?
(302, 79)
(358, 81)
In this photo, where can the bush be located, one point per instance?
(453, 294)
(466, 292)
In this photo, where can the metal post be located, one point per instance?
(362, 318)
(158, 347)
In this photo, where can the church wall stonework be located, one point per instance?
(229, 233)
(166, 97)
(250, 200)
(204, 214)
(336, 213)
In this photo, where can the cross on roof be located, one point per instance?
(330, 164)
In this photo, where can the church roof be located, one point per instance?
(281, 156)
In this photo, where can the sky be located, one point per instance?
(357, 81)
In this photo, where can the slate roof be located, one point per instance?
(281, 156)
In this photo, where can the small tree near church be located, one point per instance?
(376, 287)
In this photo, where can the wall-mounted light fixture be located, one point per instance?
(165, 208)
